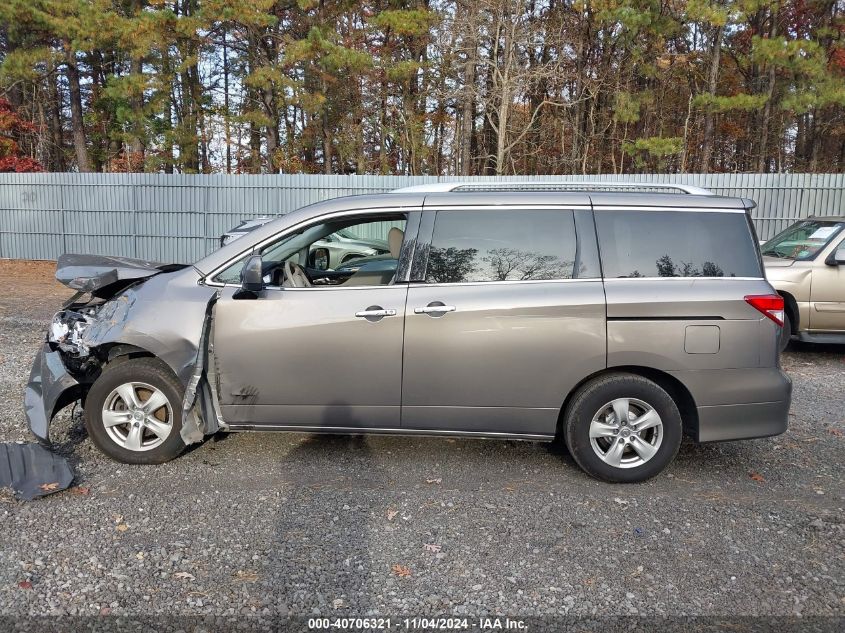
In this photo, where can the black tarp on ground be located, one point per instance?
(31, 470)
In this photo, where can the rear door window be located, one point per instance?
(676, 244)
(501, 245)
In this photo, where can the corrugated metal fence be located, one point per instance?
(180, 218)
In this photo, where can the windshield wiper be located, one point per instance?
(775, 254)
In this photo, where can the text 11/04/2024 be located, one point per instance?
(417, 623)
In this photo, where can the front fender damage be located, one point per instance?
(200, 408)
(84, 338)
(49, 387)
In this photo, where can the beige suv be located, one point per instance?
(806, 264)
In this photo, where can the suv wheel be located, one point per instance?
(133, 412)
(622, 428)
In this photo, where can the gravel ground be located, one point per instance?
(349, 526)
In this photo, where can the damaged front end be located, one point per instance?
(123, 309)
(50, 388)
(67, 332)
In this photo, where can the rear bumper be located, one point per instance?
(726, 422)
(738, 404)
(50, 387)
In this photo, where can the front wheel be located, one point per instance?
(622, 428)
(133, 412)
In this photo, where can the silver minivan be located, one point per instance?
(614, 317)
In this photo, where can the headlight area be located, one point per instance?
(67, 334)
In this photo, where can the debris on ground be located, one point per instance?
(30, 470)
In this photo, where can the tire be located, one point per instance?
(785, 332)
(600, 402)
(148, 437)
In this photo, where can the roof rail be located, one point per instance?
(550, 185)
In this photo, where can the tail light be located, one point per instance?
(770, 305)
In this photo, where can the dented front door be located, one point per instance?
(311, 357)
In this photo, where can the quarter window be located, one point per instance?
(676, 244)
(501, 245)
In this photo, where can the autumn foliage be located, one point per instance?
(12, 126)
(440, 87)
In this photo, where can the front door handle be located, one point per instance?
(435, 308)
(375, 313)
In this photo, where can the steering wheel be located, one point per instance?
(295, 276)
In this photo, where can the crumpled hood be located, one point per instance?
(777, 262)
(92, 273)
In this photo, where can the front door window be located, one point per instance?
(341, 252)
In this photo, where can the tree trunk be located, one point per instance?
(80, 144)
(504, 90)
(136, 144)
(327, 143)
(54, 119)
(762, 156)
(268, 102)
(813, 150)
(468, 93)
(467, 124)
(251, 101)
(383, 166)
(227, 130)
(168, 111)
(707, 142)
(578, 90)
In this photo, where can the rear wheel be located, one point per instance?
(622, 428)
(133, 412)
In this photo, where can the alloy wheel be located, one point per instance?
(137, 416)
(626, 433)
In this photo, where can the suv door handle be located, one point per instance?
(375, 312)
(435, 308)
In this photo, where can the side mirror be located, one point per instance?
(252, 279)
(837, 257)
(319, 259)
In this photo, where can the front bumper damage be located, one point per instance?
(50, 388)
(64, 368)
(84, 337)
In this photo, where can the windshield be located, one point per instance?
(802, 240)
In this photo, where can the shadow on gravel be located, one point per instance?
(557, 449)
(68, 434)
(335, 527)
(797, 347)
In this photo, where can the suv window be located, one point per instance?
(676, 244)
(331, 252)
(501, 245)
(803, 240)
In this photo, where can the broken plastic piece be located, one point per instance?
(67, 331)
(31, 470)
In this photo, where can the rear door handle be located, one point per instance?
(436, 308)
(370, 313)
